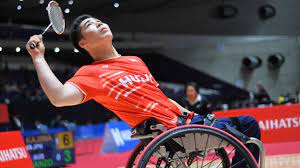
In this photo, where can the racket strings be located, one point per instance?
(56, 18)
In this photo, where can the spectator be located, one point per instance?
(41, 127)
(288, 98)
(70, 126)
(194, 101)
(56, 122)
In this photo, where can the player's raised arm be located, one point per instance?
(58, 94)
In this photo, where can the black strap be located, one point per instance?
(181, 120)
(237, 133)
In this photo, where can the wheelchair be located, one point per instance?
(193, 146)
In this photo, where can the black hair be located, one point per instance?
(75, 33)
(193, 84)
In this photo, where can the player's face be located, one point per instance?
(191, 92)
(94, 32)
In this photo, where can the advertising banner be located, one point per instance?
(13, 151)
(117, 137)
(278, 123)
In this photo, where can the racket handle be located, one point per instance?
(33, 45)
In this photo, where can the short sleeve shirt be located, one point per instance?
(125, 86)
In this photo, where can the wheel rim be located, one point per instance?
(132, 161)
(214, 151)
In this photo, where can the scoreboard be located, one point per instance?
(52, 149)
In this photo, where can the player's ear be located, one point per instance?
(82, 43)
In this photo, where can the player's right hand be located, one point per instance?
(39, 50)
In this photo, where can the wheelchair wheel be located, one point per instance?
(131, 162)
(137, 151)
(196, 146)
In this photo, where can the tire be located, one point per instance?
(131, 162)
(137, 150)
(164, 140)
(225, 159)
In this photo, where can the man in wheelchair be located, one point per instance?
(122, 84)
(237, 126)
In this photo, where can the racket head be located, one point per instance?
(56, 17)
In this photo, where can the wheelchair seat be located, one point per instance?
(147, 129)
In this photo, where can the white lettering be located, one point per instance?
(146, 79)
(274, 124)
(261, 125)
(6, 155)
(135, 78)
(117, 137)
(29, 147)
(282, 124)
(151, 78)
(18, 153)
(38, 146)
(12, 154)
(1, 157)
(126, 135)
(23, 153)
(267, 124)
(130, 79)
(289, 124)
(124, 82)
(295, 122)
(39, 156)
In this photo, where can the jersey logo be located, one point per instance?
(130, 79)
(104, 66)
(133, 60)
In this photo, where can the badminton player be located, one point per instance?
(122, 84)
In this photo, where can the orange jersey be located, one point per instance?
(125, 86)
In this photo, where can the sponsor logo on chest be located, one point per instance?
(131, 79)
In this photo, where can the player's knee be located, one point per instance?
(253, 124)
(248, 120)
(252, 119)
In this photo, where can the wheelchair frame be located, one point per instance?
(243, 139)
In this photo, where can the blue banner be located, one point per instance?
(89, 131)
(117, 137)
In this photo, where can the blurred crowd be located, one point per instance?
(22, 85)
(17, 122)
